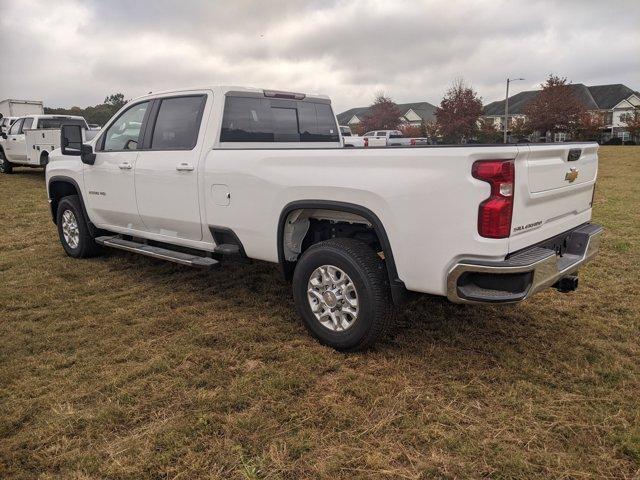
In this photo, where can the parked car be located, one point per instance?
(350, 140)
(31, 139)
(386, 138)
(229, 172)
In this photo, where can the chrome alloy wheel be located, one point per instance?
(333, 298)
(70, 229)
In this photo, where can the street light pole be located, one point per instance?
(506, 107)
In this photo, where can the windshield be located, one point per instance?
(56, 122)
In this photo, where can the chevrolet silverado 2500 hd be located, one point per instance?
(199, 176)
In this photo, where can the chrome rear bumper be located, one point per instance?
(526, 272)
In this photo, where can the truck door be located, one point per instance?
(109, 182)
(166, 172)
(21, 142)
(11, 149)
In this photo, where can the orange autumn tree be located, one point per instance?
(632, 122)
(383, 114)
(555, 109)
(458, 114)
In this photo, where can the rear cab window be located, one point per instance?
(276, 120)
(58, 122)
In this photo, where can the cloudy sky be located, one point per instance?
(72, 52)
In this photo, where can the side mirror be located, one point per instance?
(3, 135)
(71, 140)
(87, 156)
(71, 144)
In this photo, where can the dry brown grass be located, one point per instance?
(125, 367)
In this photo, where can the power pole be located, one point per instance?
(506, 107)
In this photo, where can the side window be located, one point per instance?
(26, 125)
(246, 120)
(178, 123)
(369, 134)
(15, 128)
(124, 133)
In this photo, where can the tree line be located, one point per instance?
(98, 114)
(459, 117)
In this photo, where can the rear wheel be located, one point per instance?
(341, 292)
(73, 230)
(5, 165)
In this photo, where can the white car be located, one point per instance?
(387, 138)
(31, 139)
(349, 139)
(204, 175)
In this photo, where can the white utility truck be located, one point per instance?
(199, 176)
(31, 139)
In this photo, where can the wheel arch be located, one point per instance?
(398, 289)
(59, 187)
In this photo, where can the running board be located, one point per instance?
(116, 241)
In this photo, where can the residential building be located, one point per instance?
(612, 100)
(412, 114)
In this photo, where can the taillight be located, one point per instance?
(494, 213)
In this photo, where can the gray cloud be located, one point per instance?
(77, 52)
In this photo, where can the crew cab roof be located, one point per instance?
(224, 89)
(45, 117)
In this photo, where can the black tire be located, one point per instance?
(86, 247)
(5, 165)
(368, 273)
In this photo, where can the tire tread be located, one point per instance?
(376, 274)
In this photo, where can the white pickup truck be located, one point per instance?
(31, 139)
(200, 176)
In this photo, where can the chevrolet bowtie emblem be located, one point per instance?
(571, 175)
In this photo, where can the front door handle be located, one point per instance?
(125, 166)
(184, 167)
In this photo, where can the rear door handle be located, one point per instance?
(125, 166)
(184, 167)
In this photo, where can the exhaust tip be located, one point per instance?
(567, 284)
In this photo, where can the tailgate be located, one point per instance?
(553, 191)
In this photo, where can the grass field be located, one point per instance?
(125, 367)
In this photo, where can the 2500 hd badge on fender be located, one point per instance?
(199, 176)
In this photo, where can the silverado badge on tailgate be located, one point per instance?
(571, 175)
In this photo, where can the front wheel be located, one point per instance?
(341, 291)
(73, 230)
(5, 165)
